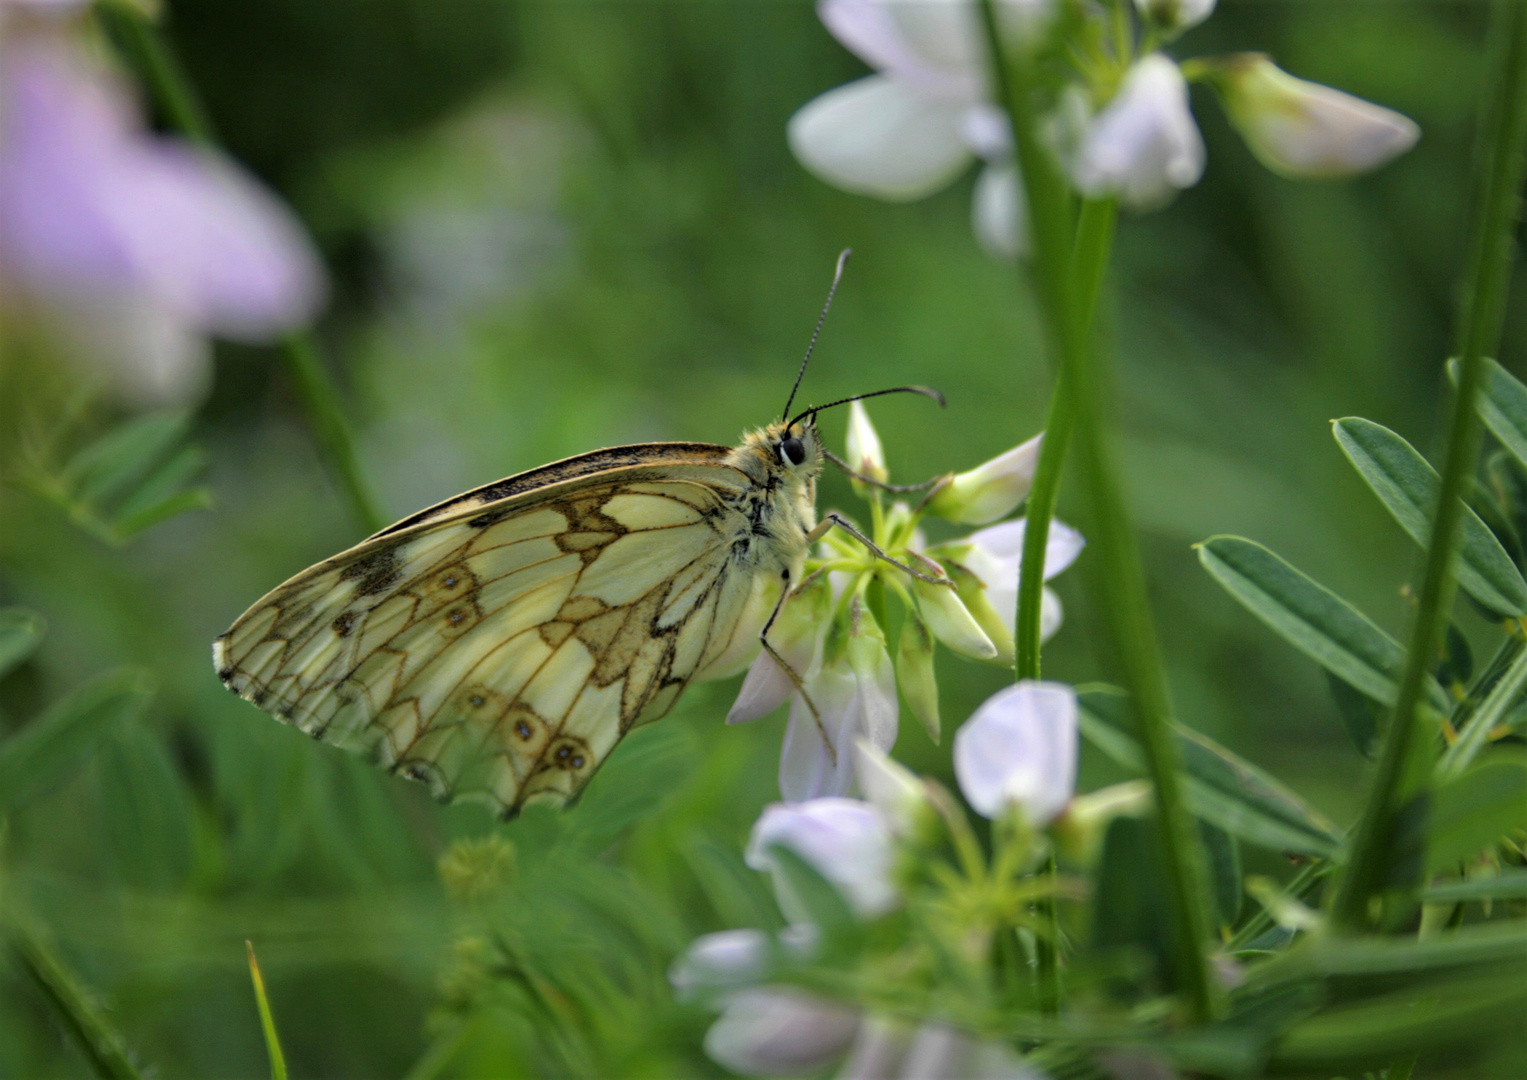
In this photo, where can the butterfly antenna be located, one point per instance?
(837, 275)
(925, 391)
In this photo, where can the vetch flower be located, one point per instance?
(1019, 751)
(993, 557)
(950, 621)
(920, 121)
(1175, 16)
(797, 637)
(1304, 130)
(847, 841)
(734, 959)
(774, 1031)
(1143, 146)
(990, 491)
(894, 790)
(136, 244)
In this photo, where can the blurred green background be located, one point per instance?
(561, 225)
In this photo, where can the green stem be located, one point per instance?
(1094, 240)
(1504, 133)
(1471, 740)
(1117, 558)
(183, 110)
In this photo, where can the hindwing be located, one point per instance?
(499, 647)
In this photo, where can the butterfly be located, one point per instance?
(498, 645)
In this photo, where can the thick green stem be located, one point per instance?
(1053, 241)
(183, 110)
(1503, 133)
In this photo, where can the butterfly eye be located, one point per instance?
(792, 450)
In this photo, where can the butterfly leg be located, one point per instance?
(833, 519)
(784, 665)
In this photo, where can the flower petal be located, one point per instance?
(1019, 749)
(719, 961)
(815, 758)
(1144, 146)
(1000, 215)
(878, 137)
(848, 842)
(951, 622)
(780, 1032)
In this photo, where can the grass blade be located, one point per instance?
(100, 1043)
(267, 1021)
(1408, 487)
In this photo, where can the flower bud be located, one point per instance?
(990, 491)
(950, 622)
(732, 959)
(1175, 15)
(1019, 751)
(847, 841)
(914, 673)
(1304, 130)
(1144, 146)
(865, 455)
(1079, 833)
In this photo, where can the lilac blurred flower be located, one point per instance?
(847, 841)
(135, 244)
(1144, 146)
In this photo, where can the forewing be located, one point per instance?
(502, 652)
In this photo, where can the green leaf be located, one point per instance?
(1359, 715)
(1221, 787)
(1408, 487)
(111, 463)
(41, 752)
(144, 810)
(1224, 865)
(1473, 811)
(1312, 618)
(126, 526)
(1502, 406)
(20, 633)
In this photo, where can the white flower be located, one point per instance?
(1019, 750)
(1176, 15)
(1144, 146)
(1305, 130)
(133, 246)
(797, 637)
(847, 841)
(917, 124)
(772, 1031)
(949, 620)
(994, 555)
(992, 490)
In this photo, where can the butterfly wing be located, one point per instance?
(499, 645)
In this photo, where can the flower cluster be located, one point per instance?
(133, 247)
(1015, 760)
(833, 629)
(1119, 120)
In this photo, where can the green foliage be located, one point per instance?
(1408, 487)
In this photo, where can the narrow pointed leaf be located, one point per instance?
(1221, 787)
(1312, 618)
(107, 466)
(267, 1021)
(1502, 406)
(20, 633)
(1507, 884)
(1408, 487)
(39, 754)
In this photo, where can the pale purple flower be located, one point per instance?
(992, 490)
(1018, 751)
(847, 841)
(121, 236)
(1144, 146)
(994, 555)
